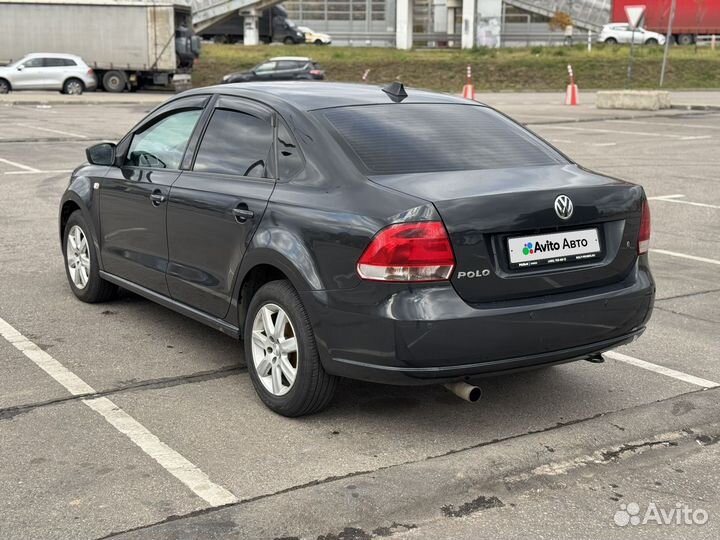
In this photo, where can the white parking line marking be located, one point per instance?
(674, 199)
(613, 131)
(663, 197)
(684, 256)
(673, 124)
(39, 172)
(605, 144)
(169, 459)
(54, 131)
(695, 137)
(679, 375)
(18, 165)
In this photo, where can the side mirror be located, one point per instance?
(20, 67)
(101, 154)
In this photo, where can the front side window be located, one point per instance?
(235, 143)
(267, 66)
(162, 145)
(33, 63)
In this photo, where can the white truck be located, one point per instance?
(128, 43)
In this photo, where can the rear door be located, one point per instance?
(215, 208)
(133, 196)
(56, 70)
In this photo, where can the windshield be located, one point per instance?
(415, 137)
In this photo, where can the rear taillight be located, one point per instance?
(644, 236)
(408, 252)
(90, 72)
(316, 72)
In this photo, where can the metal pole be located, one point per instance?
(668, 37)
(632, 56)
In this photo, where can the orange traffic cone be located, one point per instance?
(572, 96)
(469, 88)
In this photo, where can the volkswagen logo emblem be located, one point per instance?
(563, 207)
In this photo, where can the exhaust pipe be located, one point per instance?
(465, 391)
(596, 358)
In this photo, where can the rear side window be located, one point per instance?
(290, 162)
(235, 143)
(416, 138)
(287, 64)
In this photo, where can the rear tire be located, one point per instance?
(685, 39)
(611, 41)
(81, 263)
(73, 87)
(114, 81)
(311, 388)
(4, 87)
(289, 41)
(318, 42)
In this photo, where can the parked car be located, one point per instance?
(623, 32)
(48, 71)
(281, 68)
(342, 230)
(317, 38)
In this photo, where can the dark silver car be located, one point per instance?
(48, 71)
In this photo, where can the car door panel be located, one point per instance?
(207, 239)
(214, 210)
(133, 197)
(134, 242)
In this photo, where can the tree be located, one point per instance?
(560, 20)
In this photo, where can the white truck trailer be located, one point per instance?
(129, 43)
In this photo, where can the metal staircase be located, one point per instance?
(586, 14)
(207, 12)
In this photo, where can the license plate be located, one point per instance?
(554, 248)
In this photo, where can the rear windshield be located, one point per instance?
(415, 138)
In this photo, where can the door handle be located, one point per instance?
(157, 197)
(242, 213)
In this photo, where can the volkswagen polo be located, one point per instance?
(339, 230)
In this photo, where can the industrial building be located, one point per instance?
(438, 23)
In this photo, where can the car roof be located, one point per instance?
(53, 55)
(292, 58)
(312, 95)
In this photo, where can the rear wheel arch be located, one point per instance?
(252, 281)
(66, 82)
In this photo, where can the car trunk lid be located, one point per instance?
(489, 212)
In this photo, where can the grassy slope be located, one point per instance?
(534, 68)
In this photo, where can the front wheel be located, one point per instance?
(281, 353)
(289, 41)
(651, 41)
(81, 263)
(611, 41)
(4, 87)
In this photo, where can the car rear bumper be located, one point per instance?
(427, 335)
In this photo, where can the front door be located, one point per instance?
(215, 208)
(30, 75)
(133, 199)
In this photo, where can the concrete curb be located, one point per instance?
(408, 495)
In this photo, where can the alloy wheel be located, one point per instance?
(78, 257)
(274, 349)
(73, 88)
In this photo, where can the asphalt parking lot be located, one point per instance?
(126, 419)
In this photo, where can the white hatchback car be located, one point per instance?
(48, 71)
(623, 33)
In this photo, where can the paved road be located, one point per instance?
(186, 450)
